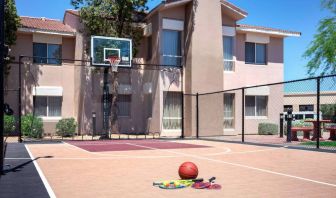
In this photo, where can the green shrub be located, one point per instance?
(9, 122)
(31, 126)
(66, 127)
(268, 129)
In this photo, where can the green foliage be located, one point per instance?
(9, 122)
(12, 22)
(31, 126)
(66, 127)
(268, 129)
(322, 50)
(328, 111)
(112, 18)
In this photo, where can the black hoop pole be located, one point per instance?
(2, 65)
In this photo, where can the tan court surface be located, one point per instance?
(242, 170)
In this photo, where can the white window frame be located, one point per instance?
(255, 54)
(170, 118)
(49, 117)
(255, 108)
(172, 56)
(233, 113)
(233, 57)
(50, 64)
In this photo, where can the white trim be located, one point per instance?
(271, 32)
(47, 91)
(228, 31)
(43, 178)
(172, 24)
(32, 30)
(46, 118)
(258, 91)
(257, 38)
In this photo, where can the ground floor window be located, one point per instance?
(286, 107)
(229, 111)
(172, 111)
(124, 105)
(48, 106)
(306, 107)
(256, 105)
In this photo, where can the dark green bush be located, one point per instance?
(32, 126)
(268, 129)
(9, 122)
(66, 127)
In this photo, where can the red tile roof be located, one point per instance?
(267, 29)
(45, 24)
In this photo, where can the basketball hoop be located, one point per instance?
(114, 62)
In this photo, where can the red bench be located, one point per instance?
(332, 131)
(306, 133)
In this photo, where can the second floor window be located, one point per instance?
(306, 107)
(228, 53)
(171, 47)
(255, 53)
(47, 53)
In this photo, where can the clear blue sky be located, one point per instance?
(296, 15)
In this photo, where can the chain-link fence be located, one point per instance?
(300, 113)
(71, 100)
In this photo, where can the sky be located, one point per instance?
(295, 15)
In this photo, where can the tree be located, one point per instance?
(12, 22)
(117, 18)
(322, 50)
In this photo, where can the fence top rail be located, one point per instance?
(135, 65)
(269, 84)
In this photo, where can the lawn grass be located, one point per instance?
(327, 144)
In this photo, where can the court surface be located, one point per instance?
(84, 169)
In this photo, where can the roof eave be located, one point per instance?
(270, 32)
(41, 31)
(240, 14)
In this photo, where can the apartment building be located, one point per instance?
(203, 40)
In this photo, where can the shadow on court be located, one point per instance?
(20, 178)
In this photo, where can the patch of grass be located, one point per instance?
(326, 144)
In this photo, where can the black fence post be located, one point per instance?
(2, 65)
(20, 100)
(289, 124)
(197, 117)
(281, 124)
(93, 123)
(243, 114)
(318, 82)
(182, 114)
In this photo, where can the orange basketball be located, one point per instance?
(188, 170)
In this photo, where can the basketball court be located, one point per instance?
(128, 168)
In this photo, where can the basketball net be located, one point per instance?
(114, 62)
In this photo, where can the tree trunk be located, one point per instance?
(114, 107)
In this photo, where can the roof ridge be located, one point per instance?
(31, 17)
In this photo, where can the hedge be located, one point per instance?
(66, 127)
(268, 129)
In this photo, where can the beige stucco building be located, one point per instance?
(215, 51)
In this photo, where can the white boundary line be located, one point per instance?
(244, 166)
(43, 178)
